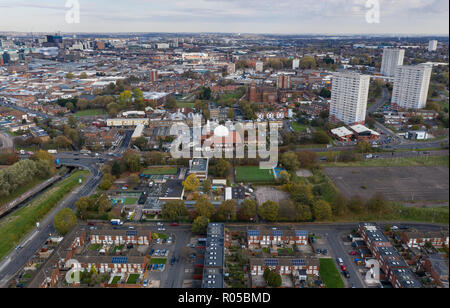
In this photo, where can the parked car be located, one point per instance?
(174, 224)
(172, 261)
(161, 267)
(354, 253)
(324, 252)
(319, 251)
(169, 241)
(155, 267)
(157, 253)
(340, 261)
(347, 274)
(163, 253)
(152, 252)
(145, 284)
(344, 268)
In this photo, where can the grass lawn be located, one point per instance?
(397, 162)
(95, 247)
(161, 171)
(133, 278)
(254, 174)
(14, 227)
(158, 261)
(131, 201)
(185, 104)
(116, 279)
(90, 112)
(299, 128)
(330, 275)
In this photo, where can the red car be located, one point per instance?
(174, 224)
(354, 253)
(344, 268)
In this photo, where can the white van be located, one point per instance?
(340, 261)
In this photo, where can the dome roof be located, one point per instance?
(221, 131)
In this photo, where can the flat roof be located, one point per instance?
(341, 132)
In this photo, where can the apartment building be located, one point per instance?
(349, 96)
(415, 239)
(285, 266)
(267, 238)
(391, 59)
(411, 84)
(214, 261)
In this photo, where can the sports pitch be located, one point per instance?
(253, 174)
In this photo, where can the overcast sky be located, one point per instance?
(238, 16)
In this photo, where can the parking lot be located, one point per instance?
(395, 183)
(267, 193)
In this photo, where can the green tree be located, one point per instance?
(220, 168)
(104, 204)
(355, 204)
(377, 204)
(322, 210)
(82, 206)
(321, 137)
(226, 211)
(64, 221)
(204, 207)
(192, 183)
(290, 161)
(339, 205)
(200, 225)
(248, 210)
(174, 210)
(284, 177)
(206, 186)
(269, 211)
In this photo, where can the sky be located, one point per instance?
(412, 17)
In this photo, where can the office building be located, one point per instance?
(349, 96)
(295, 64)
(432, 45)
(411, 84)
(391, 59)
(259, 67)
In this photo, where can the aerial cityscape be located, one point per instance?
(220, 144)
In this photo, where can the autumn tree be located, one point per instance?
(64, 221)
(269, 211)
(192, 183)
(174, 210)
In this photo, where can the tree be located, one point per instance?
(132, 160)
(355, 204)
(226, 211)
(284, 177)
(308, 63)
(70, 76)
(321, 137)
(107, 182)
(377, 204)
(83, 75)
(269, 211)
(220, 168)
(307, 159)
(290, 161)
(171, 103)
(141, 143)
(82, 206)
(200, 225)
(192, 183)
(322, 210)
(206, 186)
(174, 210)
(339, 205)
(104, 204)
(248, 210)
(64, 221)
(204, 207)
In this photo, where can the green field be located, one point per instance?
(161, 171)
(330, 275)
(90, 113)
(158, 261)
(254, 174)
(133, 278)
(299, 128)
(116, 279)
(185, 104)
(16, 226)
(397, 162)
(131, 201)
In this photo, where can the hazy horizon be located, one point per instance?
(278, 17)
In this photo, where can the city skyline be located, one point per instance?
(425, 17)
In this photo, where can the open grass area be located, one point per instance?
(159, 235)
(158, 261)
(133, 278)
(299, 128)
(17, 225)
(185, 104)
(330, 275)
(116, 279)
(397, 162)
(131, 201)
(254, 174)
(161, 171)
(90, 112)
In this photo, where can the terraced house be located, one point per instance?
(267, 238)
